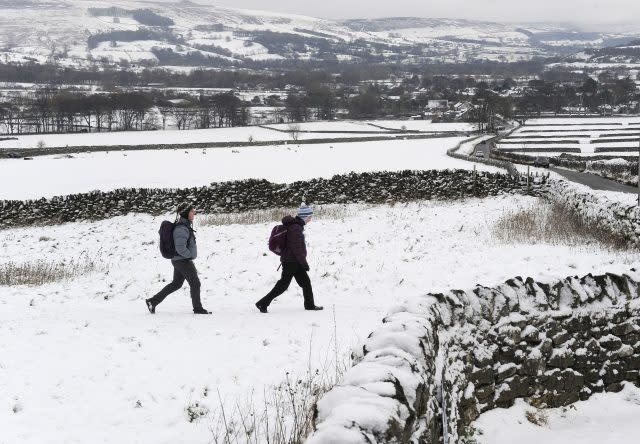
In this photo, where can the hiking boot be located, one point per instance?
(150, 306)
(262, 308)
(315, 308)
(201, 311)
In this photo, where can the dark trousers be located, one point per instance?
(182, 270)
(291, 270)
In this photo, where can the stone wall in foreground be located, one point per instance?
(438, 361)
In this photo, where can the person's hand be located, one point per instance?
(306, 267)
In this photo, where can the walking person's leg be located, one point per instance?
(303, 280)
(190, 273)
(288, 270)
(174, 285)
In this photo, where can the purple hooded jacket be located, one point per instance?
(296, 250)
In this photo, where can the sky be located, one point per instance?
(563, 11)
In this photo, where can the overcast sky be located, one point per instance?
(574, 11)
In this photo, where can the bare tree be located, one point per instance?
(294, 131)
(184, 116)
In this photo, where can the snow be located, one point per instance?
(589, 121)
(341, 125)
(585, 134)
(78, 355)
(381, 126)
(468, 148)
(340, 129)
(48, 176)
(604, 418)
(425, 125)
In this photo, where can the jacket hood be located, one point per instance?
(290, 220)
(183, 221)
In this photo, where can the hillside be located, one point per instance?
(186, 34)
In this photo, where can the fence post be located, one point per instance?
(474, 179)
(528, 178)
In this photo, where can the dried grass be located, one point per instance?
(287, 413)
(320, 212)
(556, 224)
(44, 272)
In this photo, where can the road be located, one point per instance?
(594, 181)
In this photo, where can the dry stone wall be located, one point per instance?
(619, 218)
(438, 361)
(259, 194)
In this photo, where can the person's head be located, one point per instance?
(305, 213)
(187, 211)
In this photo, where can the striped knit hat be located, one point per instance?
(305, 212)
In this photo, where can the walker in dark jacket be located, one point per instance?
(184, 240)
(294, 264)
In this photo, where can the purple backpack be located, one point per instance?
(167, 246)
(278, 240)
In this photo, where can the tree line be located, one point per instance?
(67, 112)
(590, 95)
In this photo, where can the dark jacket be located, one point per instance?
(296, 249)
(184, 240)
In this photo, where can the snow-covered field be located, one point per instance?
(584, 134)
(236, 134)
(48, 176)
(83, 358)
(341, 125)
(425, 125)
(585, 121)
(606, 418)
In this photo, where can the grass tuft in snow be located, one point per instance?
(556, 224)
(470, 434)
(538, 417)
(43, 272)
(286, 416)
(274, 215)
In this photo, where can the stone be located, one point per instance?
(511, 334)
(532, 366)
(613, 372)
(506, 371)
(485, 393)
(623, 329)
(619, 316)
(610, 342)
(546, 347)
(561, 358)
(624, 351)
(561, 337)
(482, 376)
(632, 362)
(585, 394)
(614, 387)
(482, 357)
(531, 335)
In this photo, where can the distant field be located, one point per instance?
(270, 133)
(578, 136)
(47, 176)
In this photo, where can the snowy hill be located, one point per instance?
(85, 32)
